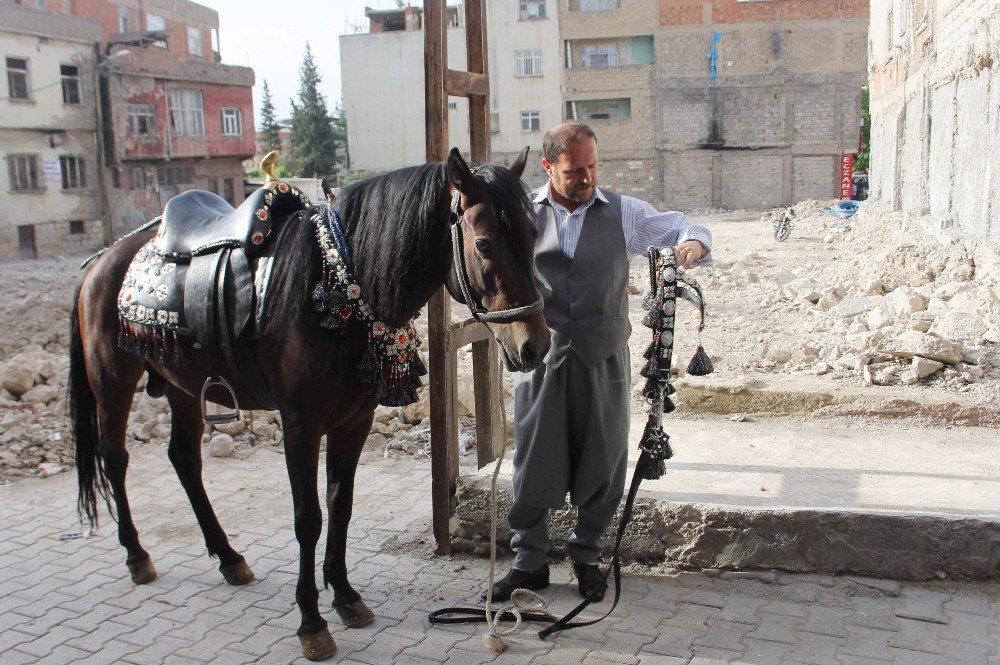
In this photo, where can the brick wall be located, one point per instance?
(814, 178)
(751, 181)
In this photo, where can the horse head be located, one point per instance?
(493, 253)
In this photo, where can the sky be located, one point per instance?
(271, 38)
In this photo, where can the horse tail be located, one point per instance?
(90, 474)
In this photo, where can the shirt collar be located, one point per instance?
(542, 196)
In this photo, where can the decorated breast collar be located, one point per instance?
(391, 363)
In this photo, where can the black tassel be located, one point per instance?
(319, 298)
(417, 366)
(700, 364)
(647, 302)
(651, 391)
(654, 319)
(650, 351)
(670, 390)
(651, 370)
(668, 405)
(652, 469)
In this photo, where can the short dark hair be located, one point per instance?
(558, 139)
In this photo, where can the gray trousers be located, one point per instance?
(571, 427)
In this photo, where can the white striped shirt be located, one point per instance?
(642, 224)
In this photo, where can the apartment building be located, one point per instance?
(934, 94)
(48, 138)
(173, 116)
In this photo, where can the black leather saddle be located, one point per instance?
(205, 277)
(199, 222)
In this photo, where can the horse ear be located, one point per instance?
(517, 168)
(458, 172)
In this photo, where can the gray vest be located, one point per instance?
(586, 298)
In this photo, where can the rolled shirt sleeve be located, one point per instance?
(644, 225)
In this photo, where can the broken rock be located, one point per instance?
(926, 345)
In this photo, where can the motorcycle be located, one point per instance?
(784, 225)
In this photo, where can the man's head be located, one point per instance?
(570, 159)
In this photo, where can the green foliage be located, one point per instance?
(280, 171)
(863, 159)
(269, 127)
(354, 176)
(314, 141)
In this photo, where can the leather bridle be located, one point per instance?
(479, 312)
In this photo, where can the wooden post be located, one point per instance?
(444, 340)
(443, 421)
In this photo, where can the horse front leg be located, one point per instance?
(302, 461)
(343, 448)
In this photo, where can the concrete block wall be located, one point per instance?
(687, 180)
(752, 181)
(815, 178)
(639, 177)
(935, 130)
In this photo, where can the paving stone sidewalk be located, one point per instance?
(65, 601)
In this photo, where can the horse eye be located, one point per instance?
(484, 246)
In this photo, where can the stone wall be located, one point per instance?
(935, 132)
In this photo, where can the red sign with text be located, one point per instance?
(846, 176)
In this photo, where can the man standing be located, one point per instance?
(572, 413)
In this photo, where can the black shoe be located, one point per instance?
(591, 580)
(535, 580)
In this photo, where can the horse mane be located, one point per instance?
(399, 239)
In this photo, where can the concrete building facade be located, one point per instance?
(48, 139)
(935, 91)
(382, 78)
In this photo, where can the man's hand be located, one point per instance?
(688, 252)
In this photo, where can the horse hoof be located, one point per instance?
(355, 614)
(237, 573)
(318, 645)
(142, 572)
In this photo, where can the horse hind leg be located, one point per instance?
(343, 450)
(186, 427)
(113, 410)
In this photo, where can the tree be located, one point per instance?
(862, 161)
(340, 135)
(269, 134)
(313, 138)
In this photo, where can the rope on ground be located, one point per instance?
(496, 638)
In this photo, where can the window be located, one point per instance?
(124, 19)
(599, 109)
(17, 78)
(168, 176)
(888, 34)
(598, 5)
(227, 190)
(232, 122)
(194, 41)
(186, 115)
(76, 227)
(156, 23)
(74, 175)
(213, 185)
(141, 119)
(528, 62)
(531, 121)
(139, 179)
(40, 4)
(531, 10)
(23, 171)
(600, 55)
(70, 83)
(494, 122)
(116, 177)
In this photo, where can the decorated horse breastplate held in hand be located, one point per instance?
(391, 363)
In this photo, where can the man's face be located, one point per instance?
(574, 173)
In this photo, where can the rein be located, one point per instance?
(661, 303)
(479, 312)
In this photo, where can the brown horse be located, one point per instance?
(397, 227)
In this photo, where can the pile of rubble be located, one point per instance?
(867, 299)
